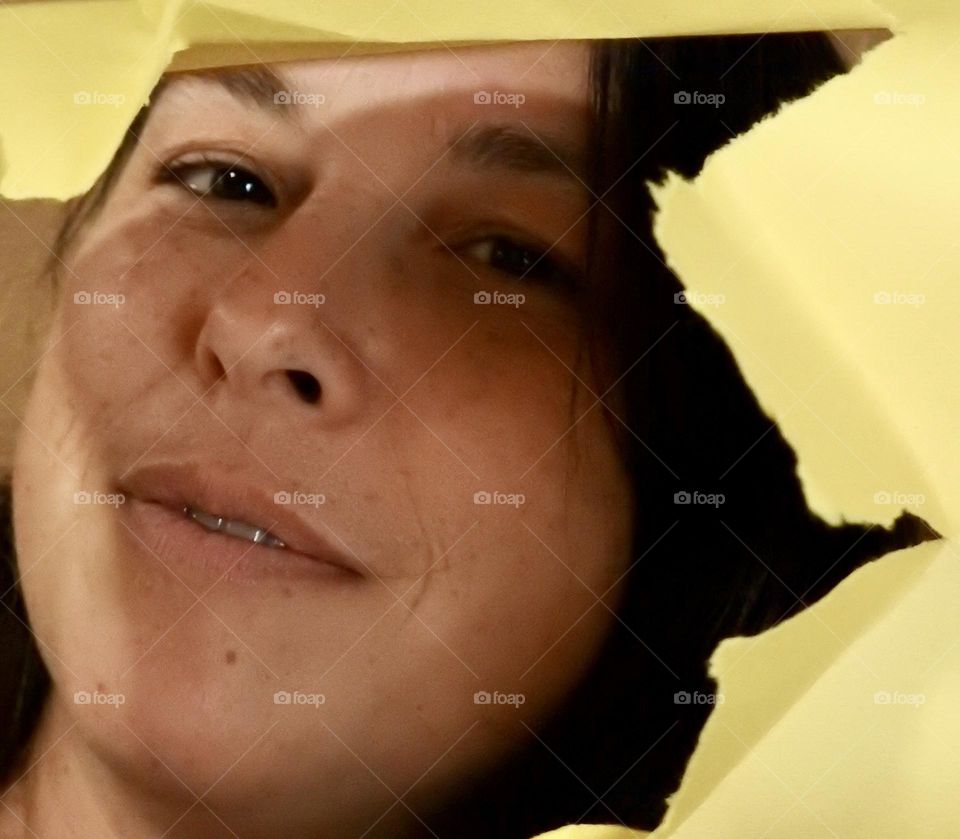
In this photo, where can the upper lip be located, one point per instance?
(216, 492)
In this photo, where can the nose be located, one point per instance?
(274, 350)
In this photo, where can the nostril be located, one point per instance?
(305, 384)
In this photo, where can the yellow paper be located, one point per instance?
(799, 224)
(76, 71)
(600, 831)
(842, 721)
(830, 231)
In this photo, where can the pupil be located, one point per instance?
(233, 184)
(515, 259)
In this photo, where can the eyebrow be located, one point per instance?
(506, 146)
(517, 148)
(259, 86)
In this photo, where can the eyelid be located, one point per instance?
(567, 265)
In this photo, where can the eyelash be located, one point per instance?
(538, 266)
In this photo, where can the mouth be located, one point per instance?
(219, 518)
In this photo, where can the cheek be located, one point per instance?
(500, 400)
(94, 380)
(506, 614)
(130, 298)
(527, 592)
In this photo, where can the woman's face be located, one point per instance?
(306, 349)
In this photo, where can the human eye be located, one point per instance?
(222, 179)
(523, 261)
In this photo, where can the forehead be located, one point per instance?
(535, 79)
(556, 67)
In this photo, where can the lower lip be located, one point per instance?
(181, 544)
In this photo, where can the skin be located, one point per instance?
(454, 597)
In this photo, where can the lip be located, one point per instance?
(214, 491)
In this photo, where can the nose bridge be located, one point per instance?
(335, 238)
(306, 319)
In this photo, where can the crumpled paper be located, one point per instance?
(827, 231)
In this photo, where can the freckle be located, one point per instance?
(231, 656)
(101, 688)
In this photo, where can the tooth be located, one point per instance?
(239, 529)
(207, 521)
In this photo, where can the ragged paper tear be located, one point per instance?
(828, 232)
(841, 721)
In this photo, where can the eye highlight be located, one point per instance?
(222, 180)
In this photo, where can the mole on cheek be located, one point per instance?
(231, 657)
